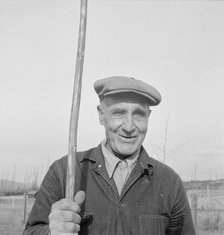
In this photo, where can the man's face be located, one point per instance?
(125, 118)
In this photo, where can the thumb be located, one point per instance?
(79, 197)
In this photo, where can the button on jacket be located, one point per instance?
(152, 202)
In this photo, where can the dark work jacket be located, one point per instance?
(153, 201)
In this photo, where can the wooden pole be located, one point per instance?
(72, 146)
(24, 207)
(208, 192)
(194, 208)
(13, 201)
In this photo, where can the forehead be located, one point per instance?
(125, 99)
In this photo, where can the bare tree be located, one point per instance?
(6, 182)
(26, 180)
(34, 184)
(13, 179)
(163, 151)
(2, 183)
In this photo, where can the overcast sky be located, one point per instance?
(176, 46)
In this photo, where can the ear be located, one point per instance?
(101, 114)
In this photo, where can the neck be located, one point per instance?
(119, 155)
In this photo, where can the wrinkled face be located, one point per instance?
(125, 118)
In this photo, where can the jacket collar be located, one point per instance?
(146, 163)
(95, 156)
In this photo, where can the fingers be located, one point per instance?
(64, 218)
(63, 227)
(63, 223)
(80, 197)
(57, 233)
(65, 204)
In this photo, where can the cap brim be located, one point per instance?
(152, 101)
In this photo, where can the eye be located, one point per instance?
(118, 113)
(139, 114)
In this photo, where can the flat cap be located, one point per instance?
(121, 84)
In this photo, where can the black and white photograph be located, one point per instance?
(111, 117)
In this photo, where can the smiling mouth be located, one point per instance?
(128, 137)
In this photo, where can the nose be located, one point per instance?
(128, 124)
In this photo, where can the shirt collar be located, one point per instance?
(95, 155)
(111, 160)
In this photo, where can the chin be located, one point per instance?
(127, 152)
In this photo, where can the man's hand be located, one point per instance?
(64, 218)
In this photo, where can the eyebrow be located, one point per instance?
(118, 109)
(135, 110)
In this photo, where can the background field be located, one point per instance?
(12, 212)
(210, 212)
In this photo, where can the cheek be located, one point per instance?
(113, 124)
(142, 126)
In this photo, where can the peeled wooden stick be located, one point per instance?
(72, 146)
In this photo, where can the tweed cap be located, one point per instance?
(120, 84)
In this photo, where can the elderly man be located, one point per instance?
(126, 191)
